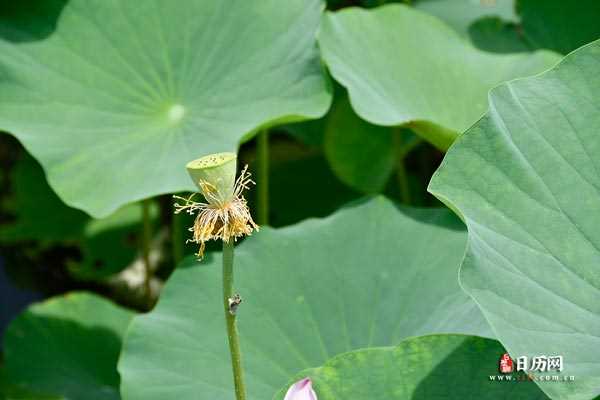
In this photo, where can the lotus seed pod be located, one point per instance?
(214, 175)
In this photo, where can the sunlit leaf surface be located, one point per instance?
(367, 276)
(526, 180)
(404, 67)
(123, 94)
(436, 367)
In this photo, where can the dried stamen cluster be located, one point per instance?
(224, 219)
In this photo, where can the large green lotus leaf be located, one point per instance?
(526, 180)
(362, 155)
(402, 66)
(38, 214)
(448, 367)
(123, 93)
(558, 25)
(369, 275)
(460, 14)
(67, 347)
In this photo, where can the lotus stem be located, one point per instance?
(223, 216)
(402, 178)
(401, 174)
(262, 155)
(177, 238)
(146, 239)
(230, 320)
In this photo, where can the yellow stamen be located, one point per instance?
(219, 219)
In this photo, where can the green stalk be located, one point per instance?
(403, 182)
(262, 155)
(401, 175)
(232, 334)
(146, 239)
(177, 238)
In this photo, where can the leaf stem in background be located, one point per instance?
(232, 334)
(401, 175)
(146, 239)
(262, 155)
(403, 181)
(177, 238)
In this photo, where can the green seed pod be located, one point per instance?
(214, 175)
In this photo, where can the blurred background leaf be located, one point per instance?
(34, 211)
(110, 244)
(303, 186)
(12, 300)
(460, 14)
(47, 248)
(558, 25)
(67, 346)
(29, 20)
(9, 391)
(361, 154)
(497, 36)
(437, 87)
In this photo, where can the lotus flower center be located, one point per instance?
(176, 113)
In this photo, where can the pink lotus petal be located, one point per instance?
(301, 390)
